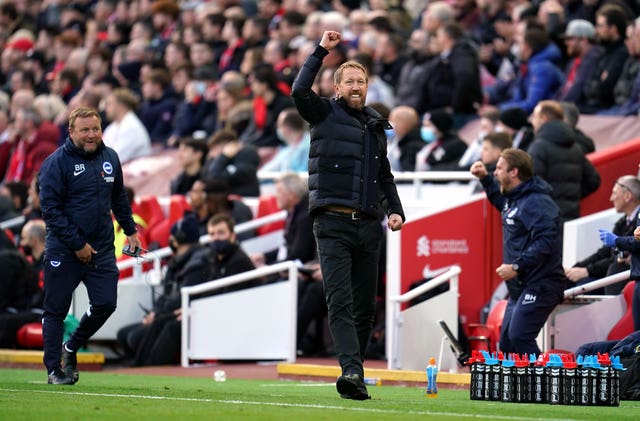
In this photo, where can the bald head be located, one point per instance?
(403, 119)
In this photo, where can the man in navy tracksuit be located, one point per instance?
(80, 184)
(531, 247)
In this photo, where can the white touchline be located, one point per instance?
(291, 405)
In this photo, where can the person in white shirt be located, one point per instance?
(126, 134)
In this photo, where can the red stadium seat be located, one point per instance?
(625, 324)
(178, 205)
(149, 209)
(267, 204)
(30, 336)
(487, 336)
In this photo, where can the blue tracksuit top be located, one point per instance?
(78, 191)
(530, 231)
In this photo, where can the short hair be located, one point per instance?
(222, 137)
(453, 30)
(126, 97)
(32, 114)
(337, 76)
(295, 184)
(517, 158)
(630, 183)
(198, 145)
(551, 109)
(615, 16)
(83, 112)
(536, 38)
(160, 77)
(222, 217)
(500, 140)
(442, 12)
(571, 113)
(264, 73)
(293, 119)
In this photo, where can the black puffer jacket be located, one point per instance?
(348, 163)
(559, 161)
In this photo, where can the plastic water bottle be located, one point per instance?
(555, 394)
(432, 375)
(373, 381)
(476, 387)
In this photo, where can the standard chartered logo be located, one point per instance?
(426, 247)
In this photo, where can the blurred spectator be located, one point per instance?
(33, 210)
(515, 121)
(6, 144)
(389, 58)
(455, 78)
(18, 191)
(7, 210)
(299, 244)
(268, 102)
(293, 131)
(190, 265)
(126, 134)
(611, 24)
(164, 16)
(444, 148)
(410, 85)
(435, 15)
(159, 105)
(191, 154)
(21, 293)
(37, 139)
(404, 141)
(231, 57)
(232, 162)
(571, 116)
(255, 32)
(539, 77)
(559, 161)
(488, 123)
(276, 53)
(36, 63)
(579, 41)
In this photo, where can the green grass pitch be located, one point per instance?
(24, 395)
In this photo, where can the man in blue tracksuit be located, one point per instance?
(531, 247)
(80, 185)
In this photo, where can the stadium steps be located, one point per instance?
(398, 377)
(18, 358)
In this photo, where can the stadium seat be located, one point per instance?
(149, 209)
(625, 324)
(487, 336)
(178, 204)
(29, 336)
(267, 204)
(158, 235)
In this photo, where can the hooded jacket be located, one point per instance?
(78, 191)
(560, 162)
(530, 234)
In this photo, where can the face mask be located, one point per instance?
(498, 129)
(280, 135)
(173, 246)
(221, 247)
(427, 134)
(390, 133)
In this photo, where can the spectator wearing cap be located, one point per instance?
(627, 89)
(559, 161)
(611, 24)
(515, 121)
(190, 264)
(625, 196)
(444, 148)
(125, 134)
(158, 106)
(15, 51)
(231, 161)
(579, 40)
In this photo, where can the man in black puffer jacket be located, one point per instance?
(349, 176)
(559, 160)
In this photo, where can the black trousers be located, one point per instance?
(349, 251)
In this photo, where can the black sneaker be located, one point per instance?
(57, 376)
(351, 386)
(70, 364)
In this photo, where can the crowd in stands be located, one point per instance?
(212, 78)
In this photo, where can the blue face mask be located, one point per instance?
(391, 133)
(427, 134)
